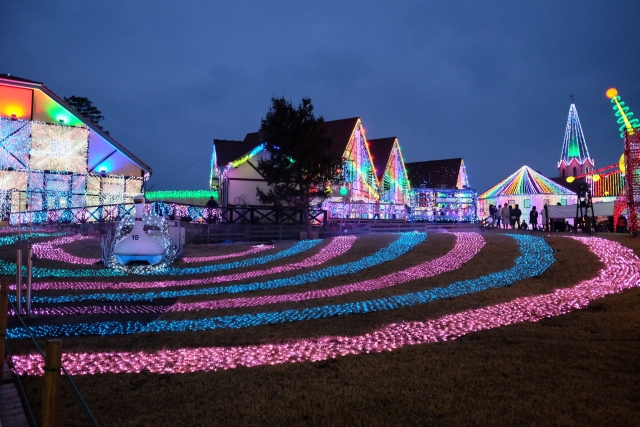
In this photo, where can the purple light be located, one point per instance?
(49, 250)
(255, 249)
(338, 246)
(466, 247)
(622, 271)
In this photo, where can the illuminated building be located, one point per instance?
(441, 191)
(54, 162)
(527, 188)
(234, 164)
(574, 158)
(394, 186)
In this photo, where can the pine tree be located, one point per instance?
(85, 107)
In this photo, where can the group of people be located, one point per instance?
(511, 217)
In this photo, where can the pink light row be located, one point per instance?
(50, 250)
(338, 246)
(466, 247)
(622, 271)
(253, 250)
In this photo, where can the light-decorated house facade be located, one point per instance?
(55, 162)
(440, 191)
(235, 176)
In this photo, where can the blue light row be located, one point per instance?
(536, 257)
(404, 243)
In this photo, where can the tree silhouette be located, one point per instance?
(301, 163)
(85, 107)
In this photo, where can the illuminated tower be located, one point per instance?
(574, 159)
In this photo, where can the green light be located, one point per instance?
(344, 191)
(181, 194)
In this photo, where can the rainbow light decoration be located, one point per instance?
(525, 181)
(623, 114)
(621, 271)
(536, 256)
(404, 243)
(394, 186)
(358, 167)
(574, 145)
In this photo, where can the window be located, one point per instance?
(563, 173)
(563, 202)
(527, 203)
(574, 171)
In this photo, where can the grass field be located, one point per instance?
(580, 368)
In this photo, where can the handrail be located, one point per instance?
(66, 374)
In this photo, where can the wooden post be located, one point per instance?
(19, 281)
(4, 308)
(52, 380)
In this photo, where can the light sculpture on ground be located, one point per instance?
(338, 246)
(535, 259)
(404, 243)
(621, 272)
(467, 245)
(574, 155)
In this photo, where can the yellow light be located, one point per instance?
(596, 178)
(623, 167)
(570, 179)
(611, 92)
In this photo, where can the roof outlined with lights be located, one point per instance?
(27, 100)
(525, 181)
(574, 145)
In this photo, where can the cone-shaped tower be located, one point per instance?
(574, 159)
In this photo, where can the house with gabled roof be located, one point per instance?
(235, 175)
(51, 157)
(393, 182)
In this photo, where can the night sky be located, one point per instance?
(487, 82)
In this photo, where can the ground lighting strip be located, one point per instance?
(621, 271)
(536, 256)
(404, 243)
(336, 247)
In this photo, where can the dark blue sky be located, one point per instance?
(487, 82)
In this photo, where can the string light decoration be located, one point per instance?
(253, 250)
(621, 271)
(526, 184)
(574, 147)
(181, 194)
(8, 268)
(394, 184)
(95, 309)
(44, 167)
(466, 247)
(631, 165)
(50, 250)
(335, 248)
(536, 256)
(443, 205)
(358, 167)
(404, 243)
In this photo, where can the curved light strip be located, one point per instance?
(405, 242)
(466, 247)
(49, 250)
(96, 309)
(10, 268)
(338, 246)
(535, 259)
(622, 271)
(253, 250)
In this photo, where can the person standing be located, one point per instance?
(506, 214)
(517, 213)
(492, 215)
(533, 218)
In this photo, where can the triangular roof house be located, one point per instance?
(393, 182)
(445, 173)
(526, 187)
(234, 163)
